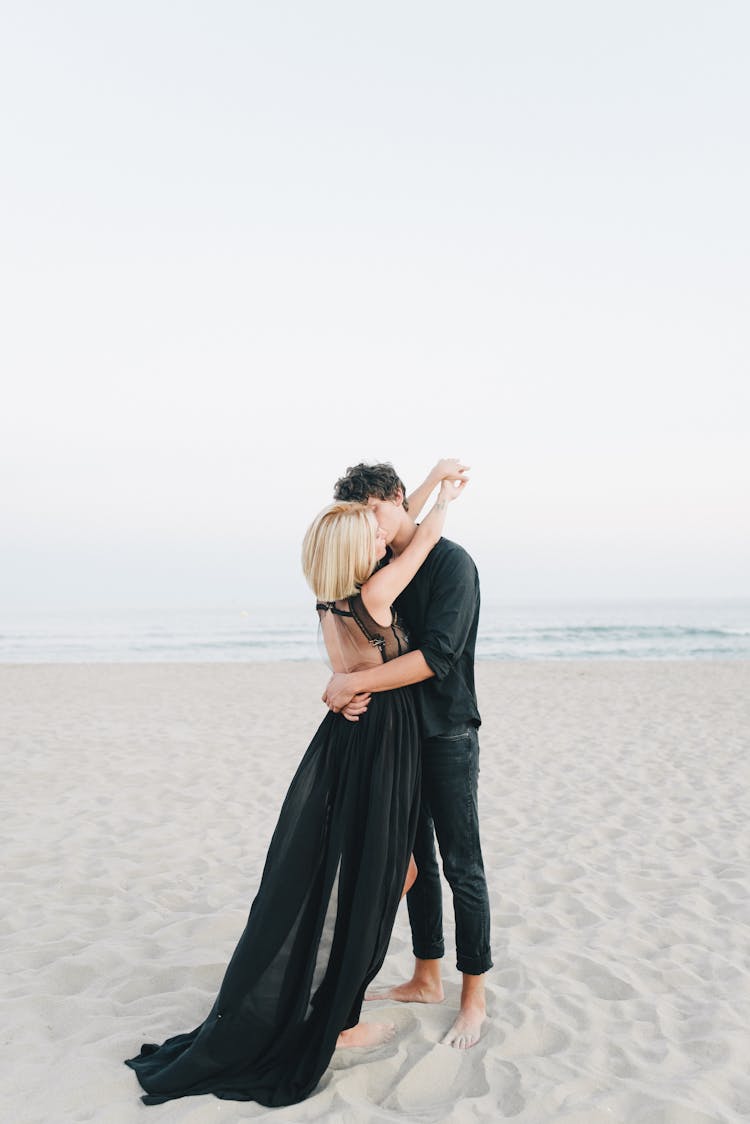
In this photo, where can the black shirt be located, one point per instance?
(440, 607)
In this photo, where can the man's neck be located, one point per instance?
(403, 537)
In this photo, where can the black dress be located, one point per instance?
(319, 927)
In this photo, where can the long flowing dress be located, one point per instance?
(319, 926)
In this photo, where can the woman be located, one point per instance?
(319, 927)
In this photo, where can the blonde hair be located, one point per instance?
(338, 550)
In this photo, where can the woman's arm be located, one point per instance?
(381, 590)
(451, 612)
(449, 468)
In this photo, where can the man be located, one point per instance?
(441, 609)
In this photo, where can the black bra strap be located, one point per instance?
(330, 606)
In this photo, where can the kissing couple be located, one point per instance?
(392, 767)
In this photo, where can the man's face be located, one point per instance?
(388, 515)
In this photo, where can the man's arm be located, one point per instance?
(454, 597)
(401, 672)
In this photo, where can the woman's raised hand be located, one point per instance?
(451, 488)
(450, 468)
(383, 587)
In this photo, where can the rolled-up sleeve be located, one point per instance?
(454, 596)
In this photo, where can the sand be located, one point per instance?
(138, 801)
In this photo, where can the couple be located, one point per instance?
(340, 859)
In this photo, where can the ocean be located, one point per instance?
(650, 630)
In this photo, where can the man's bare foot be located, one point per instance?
(467, 1029)
(366, 1034)
(415, 991)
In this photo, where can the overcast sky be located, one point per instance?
(246, 244)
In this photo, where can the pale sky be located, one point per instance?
(245, 245)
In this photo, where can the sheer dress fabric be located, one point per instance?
(319, 926)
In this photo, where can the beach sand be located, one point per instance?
(138, 801)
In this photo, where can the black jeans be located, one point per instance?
(450, 769)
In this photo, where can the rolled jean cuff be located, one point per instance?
(429, 951)
(474, 965)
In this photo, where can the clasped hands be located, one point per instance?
(340, 697)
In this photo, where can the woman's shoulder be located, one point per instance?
(360, 610)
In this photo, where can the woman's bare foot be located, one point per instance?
(467, 1029)
(366, 1034)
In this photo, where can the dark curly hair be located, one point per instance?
(365, 480)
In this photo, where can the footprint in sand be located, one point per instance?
(672, 1112)
(439, 1078)
(504, 1081)
(507, 920)
(575, 1011)
(599, 980)
(619, 1063)
(534, 1037)
(533, 934)
(579, 917)
(563, 872)
(164, 982)
(513, 1014)
(68, 977)
(509, 978)
(707, 1053)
